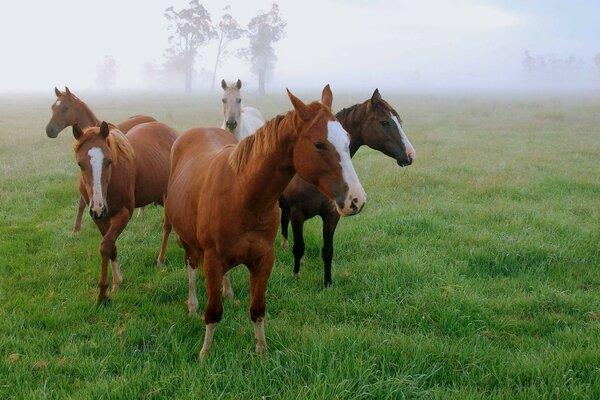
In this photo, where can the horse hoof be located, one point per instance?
(104, 301)
(327, 285)
(261, 348)
(160, 262)
(202, 355)
(192, 308)
(283, 243)
(228, 293)
(296, 276)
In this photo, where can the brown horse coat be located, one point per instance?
(119, 173)
(222, 197)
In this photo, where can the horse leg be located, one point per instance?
(140, 212)
(259, 276)
(213, 269)
(191, 261)
(330, 222)
(298, 249)
(285, 220)
(79, 216)
(227, 289)
(166, 226)
(108, 251)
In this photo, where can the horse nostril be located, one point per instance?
(355, 200)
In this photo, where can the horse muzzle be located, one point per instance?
(98, 213)
(51, 132)
(231, 125)
(352, 203)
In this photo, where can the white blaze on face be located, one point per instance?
(96, 161)
(338, 137)
(410, 151)
(57, 103)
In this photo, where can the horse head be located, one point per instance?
(322, 155)
(232, 105)
(381, 129)
(94, 158)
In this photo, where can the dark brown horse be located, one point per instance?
(373, 123)
(119, 173)
(222, 197)
(69, 110)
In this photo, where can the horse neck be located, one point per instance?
(86, 117)
(347, 118)
(269, 174)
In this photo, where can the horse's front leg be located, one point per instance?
(80, 208)
(259, 276)
(108, 252)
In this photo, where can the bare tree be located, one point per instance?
(264, 30)
(528, 63)
(106, 72)
(228, 30)
(192, 28)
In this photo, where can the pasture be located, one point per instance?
(474, 273)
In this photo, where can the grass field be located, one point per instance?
(474, 273)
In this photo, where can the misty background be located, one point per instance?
(115, 45)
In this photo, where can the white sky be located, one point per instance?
(350, 44)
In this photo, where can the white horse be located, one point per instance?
(239, 120)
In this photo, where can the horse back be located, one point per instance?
(130, 122)
(151, 143)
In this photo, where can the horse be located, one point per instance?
(222, 197)
(69, 110)
(373, 123)
(117, 174)
(239, 120)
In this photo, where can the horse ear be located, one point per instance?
(104, 129)
(301, 108)
(67, 91)
(223, 84)
(56, 91)
(327, 96)
(376, 96)
(77, 132)
(238, 84)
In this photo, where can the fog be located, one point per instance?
(430, 45)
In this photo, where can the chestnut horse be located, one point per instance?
(239, 120)
(373, 123)
(222, 197)
(119, 173)
(69, 110)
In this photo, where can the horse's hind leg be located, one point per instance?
(259, 276)
(285, 220)
(227, 289)
(298, 249)
(140, 212)
(80, 208)
(166, 225)
(330, 222)
(213, 269)
(191, 261)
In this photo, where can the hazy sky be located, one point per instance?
(348, 43)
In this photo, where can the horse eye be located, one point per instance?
(320, 146)
(108, 162)
(385, 123)
(223, 100)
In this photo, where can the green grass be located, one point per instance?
(474, 273)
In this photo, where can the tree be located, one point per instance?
(264, 30)
(597, 61)
(192, 28)
(106, 72)
(228, 30)
(528, 63)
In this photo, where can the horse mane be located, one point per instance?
(117, 142)
(265, 139)
(345, 113)
(262, 141)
